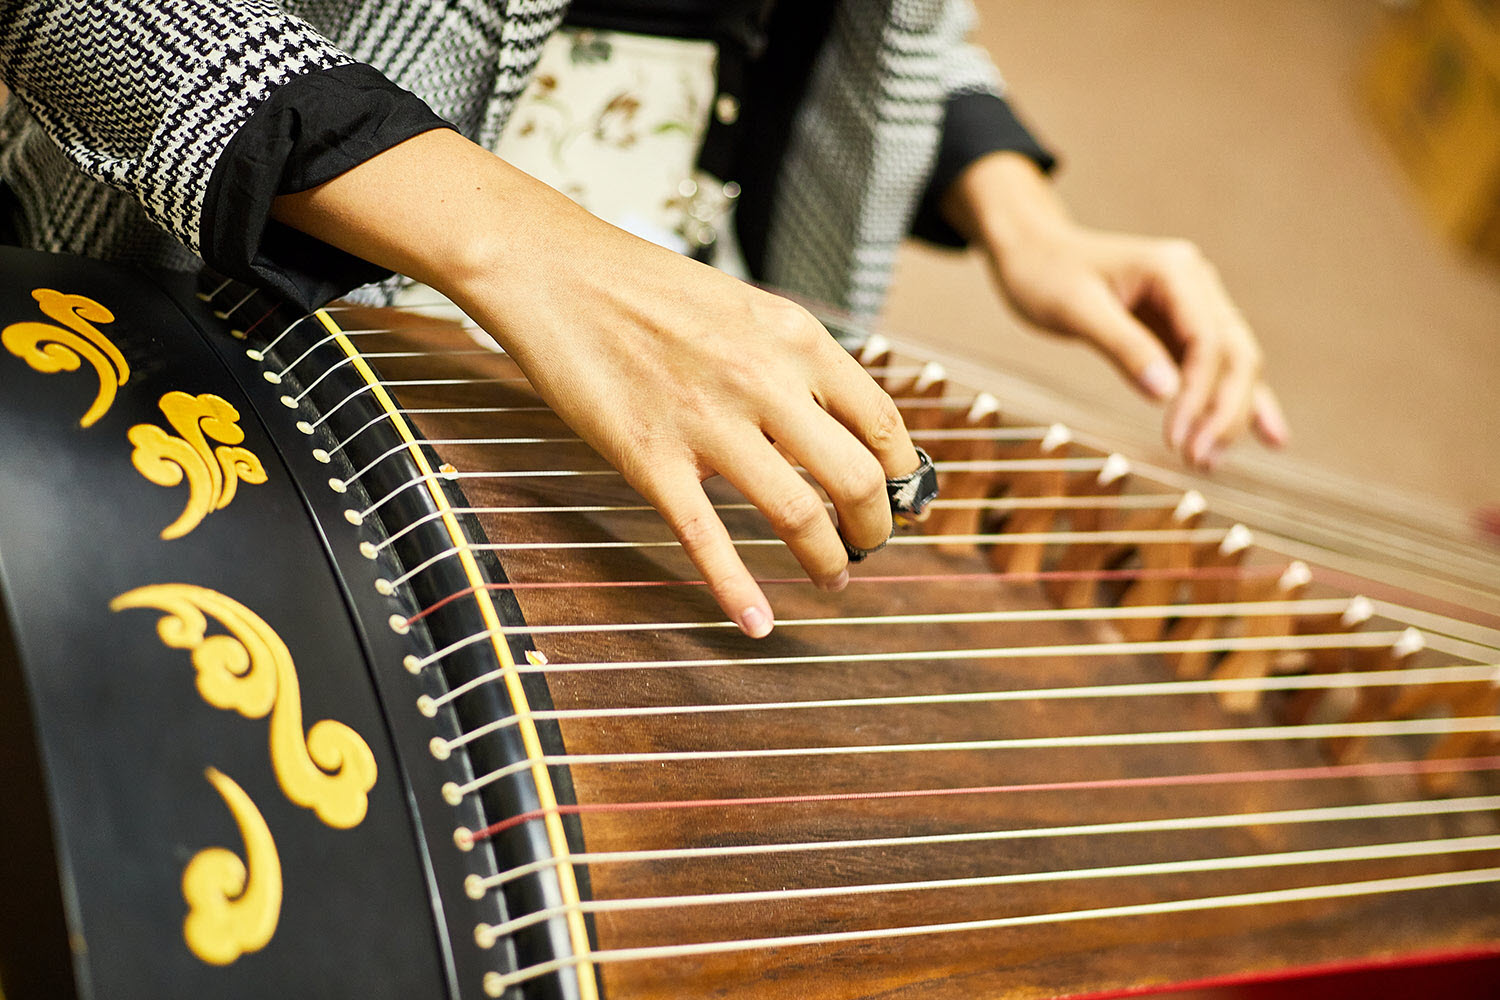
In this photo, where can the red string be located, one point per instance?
(1370, 770)
(251, 328)
(1217, 572)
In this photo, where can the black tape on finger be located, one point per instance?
(909, 495)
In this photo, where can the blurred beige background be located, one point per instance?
(1240, 124)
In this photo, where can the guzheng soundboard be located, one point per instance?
(333, 664)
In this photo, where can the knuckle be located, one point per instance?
(790, 323)
(864, 484)
(694, 531)
(797, 514)
(886, 428)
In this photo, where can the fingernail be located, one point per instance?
(840, 582)
(755, 622)
(1160, 379)
(1274, 425)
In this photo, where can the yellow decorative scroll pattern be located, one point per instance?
(233, 905)
(250, 671)
(50, 349)
(205, 452)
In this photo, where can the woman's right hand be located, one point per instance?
(672, 371)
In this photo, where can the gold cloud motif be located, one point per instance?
(330, 770)
(233, 904)
(205, 452)
(50, 349)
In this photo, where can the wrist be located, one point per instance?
(1003, 201)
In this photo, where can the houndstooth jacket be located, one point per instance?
(125, 108)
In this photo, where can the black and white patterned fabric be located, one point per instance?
(125, 107)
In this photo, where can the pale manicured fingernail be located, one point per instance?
(755, 622)
(1274, 425)
(1160, 379)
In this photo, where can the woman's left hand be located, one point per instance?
(1154, 307)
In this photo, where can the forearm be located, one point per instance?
(436, 207)
(1003, 200)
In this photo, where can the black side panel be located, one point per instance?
(125, 737)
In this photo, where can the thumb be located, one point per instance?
(1127, 342)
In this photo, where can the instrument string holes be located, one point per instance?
(384, 587)
(337, 485)
(427, 706)
(494, 984)
(354, 517)
(322, 456)
(271, 377)
(289, 402)
(305, 427)
(485, 936)
(254, 355)
(463, 838)
(369, 551)
(399, 624)
(453, 795)
(412, 664)
(439, 748)
(474, 887)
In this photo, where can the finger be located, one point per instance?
(690, 514)
(1268, 419)
(846, 469)
(796, 512)
(1228, 409)
(1200, 373)
(855, 400)
(1098, 316)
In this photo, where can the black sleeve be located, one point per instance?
(310, 130)
(974, 124)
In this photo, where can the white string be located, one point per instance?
(1483, 673)
(1143, 536)
(1340, 640)
(1280, 817)
(1180, 737)
(496, 984)
(488, 934)
(1248, 609)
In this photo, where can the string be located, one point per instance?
(496, 984)
(1273, 776)
(1144, 501)
(1481, 673)
(1248, 609)
(1155, 536)
(1408, 809)
(488, 934)
(454, 792)
(1337, 640)
(1013, 576)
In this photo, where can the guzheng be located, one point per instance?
(332, 664)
